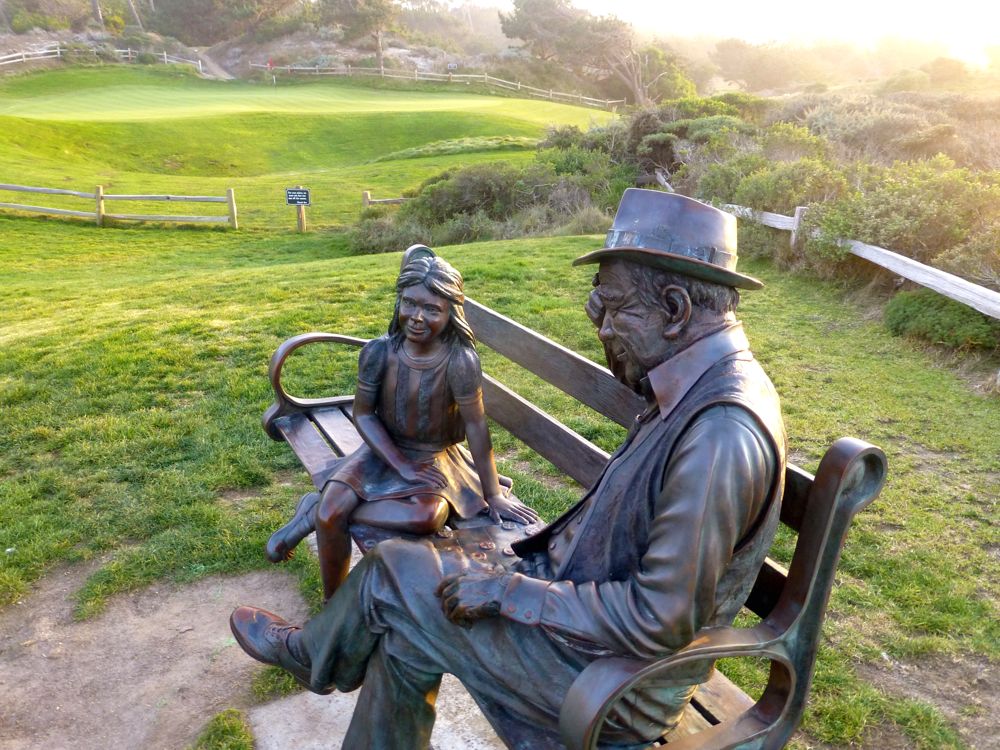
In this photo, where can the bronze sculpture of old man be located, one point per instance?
(667, 541)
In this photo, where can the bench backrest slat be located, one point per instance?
(578, 457)
(582, 379)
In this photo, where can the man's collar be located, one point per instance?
(671, 380)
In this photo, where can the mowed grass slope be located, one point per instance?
(155, 131)
(134, 376)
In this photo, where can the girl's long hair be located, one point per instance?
(441, 278)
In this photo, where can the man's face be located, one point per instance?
(631, 330)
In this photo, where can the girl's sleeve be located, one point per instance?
(371, 365)
(465, 375)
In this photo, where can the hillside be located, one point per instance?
(156, 130)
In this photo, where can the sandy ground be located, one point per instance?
(159, 663)
(148, 673)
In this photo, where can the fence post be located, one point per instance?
(164, 57)
(231, 200)
(800, 212)
(200, 71)
(366, 199)
(348, 70)
(99, 204)
(300, 210)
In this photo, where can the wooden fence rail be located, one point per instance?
(954, 287)
(423, 75)
(125, 55)
(99, 197)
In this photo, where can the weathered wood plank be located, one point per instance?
(313, 451)
(796, 496)
(579, 458)
(979, 298)
(719, 699)
(46, 191)
(52, 211)
(338, 429)
(174, 198)
(182, 219)
(767, 588)
(577, 376)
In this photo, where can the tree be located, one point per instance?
(364, 18)
(545, 26)
(603, 46)
(755, 66)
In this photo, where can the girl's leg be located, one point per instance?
(281, 545)
(420, 514)
(333, 538)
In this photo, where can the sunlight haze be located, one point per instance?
(964, 27)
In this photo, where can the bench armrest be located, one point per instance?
(604, 681)
(285, 403)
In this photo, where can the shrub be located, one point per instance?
(977, 259)
(780, 187)
(906, 80)
(919, 209)
(928, 315)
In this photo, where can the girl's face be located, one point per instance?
(423, 315)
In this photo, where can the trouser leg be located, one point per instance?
(338, 640)
(395, 709)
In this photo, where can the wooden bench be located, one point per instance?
(790, 602)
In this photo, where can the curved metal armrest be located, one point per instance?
(285, 403)
(604, 681)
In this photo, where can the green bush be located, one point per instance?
(919, 209)
(781, 187)
(23, 21)
(929, 316)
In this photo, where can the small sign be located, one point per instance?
(452, 66)
(297, 197)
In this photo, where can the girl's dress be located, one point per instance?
(418, 402)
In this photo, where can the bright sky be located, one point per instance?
(966, 27)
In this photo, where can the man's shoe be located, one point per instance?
(264, 636)
(281, 545)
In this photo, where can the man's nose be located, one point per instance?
(606, 331)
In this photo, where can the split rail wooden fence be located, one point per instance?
(99, 198)
(125, 55)
(424, 75)
(954, 287)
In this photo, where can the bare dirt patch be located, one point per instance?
(148, 673)
(965, 689)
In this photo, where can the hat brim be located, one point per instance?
(683, 265)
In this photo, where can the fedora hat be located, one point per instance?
(675, 233)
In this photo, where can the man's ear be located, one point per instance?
(677, 308)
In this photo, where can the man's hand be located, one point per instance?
(469, 597)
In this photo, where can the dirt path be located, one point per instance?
(148, 673)
(210, 67)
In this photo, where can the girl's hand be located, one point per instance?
(512, 509)
(423, 473)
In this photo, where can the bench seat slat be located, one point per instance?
(313, 451)
(578, 457)
(338, 429)
(720, 699)
(582, 379)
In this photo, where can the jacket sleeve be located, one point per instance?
(713, 489)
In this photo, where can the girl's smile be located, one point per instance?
(423, 316)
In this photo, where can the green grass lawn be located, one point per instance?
(155, 131)
(134, 377)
